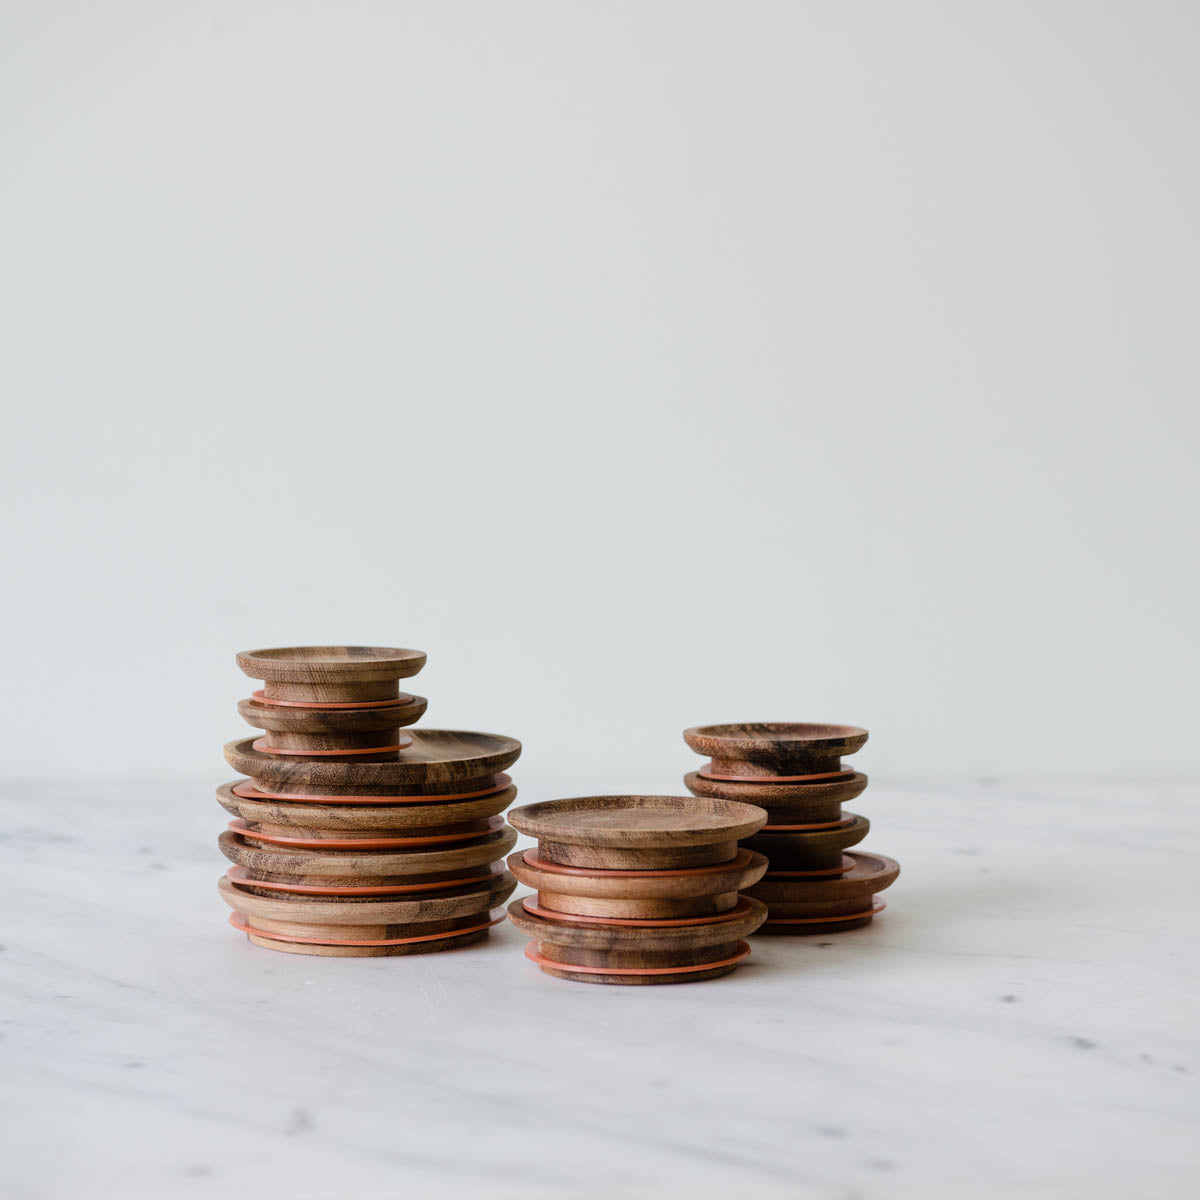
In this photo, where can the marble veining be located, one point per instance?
(1021, 1021)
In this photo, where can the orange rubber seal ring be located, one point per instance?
(840, 823)
(534, 956)
(740, 861)
(247, 791)
(847, 865)
(704, 773)
(260, 697)
(425, 937)
(260, 744)
(239, 826)
(239, 877)
(739, 910)
(877, 906)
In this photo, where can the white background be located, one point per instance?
(646, 364)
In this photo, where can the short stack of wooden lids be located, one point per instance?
(637, 889)
(354, 836)
(795, 772)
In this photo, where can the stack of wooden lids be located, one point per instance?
(353, 836)
(637, 889)
(795, 772)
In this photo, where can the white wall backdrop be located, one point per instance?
(645, 363)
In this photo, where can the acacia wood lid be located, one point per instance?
(638, 821)
(477, 897)
(330, 664)
(280, 718)
(586, 936)
(436, 755)
(738, 741)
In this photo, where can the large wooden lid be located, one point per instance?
(330, 664)
(643, 821)
(436, 755)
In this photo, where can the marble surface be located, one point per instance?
(1021, 1021)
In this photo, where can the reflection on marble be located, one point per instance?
(1022, 1020)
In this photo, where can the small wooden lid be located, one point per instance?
(745, 740)
(275, 717)
(588, 936)
(436, 755)
(638, 821)
(769, 794)
(330, 664)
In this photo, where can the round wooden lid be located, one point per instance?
(774, 737)
(768, 794)
(254, 807)
(280, 718)
(436, 755)
(477, 897)
(643, 821)
(581, 936)
(330, 664)
(365, 864)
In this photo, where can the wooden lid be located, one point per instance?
(773, 738)
(281, 718)
(769, 794)
(868, 874)
(641, 821)
(360, 816)
(745, 869)
(588, 936)
(476, 897)
(436, 755)
(366, 864)
(330, 664)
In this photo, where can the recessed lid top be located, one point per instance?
(729, 741)
(330, 664)
(638, 820)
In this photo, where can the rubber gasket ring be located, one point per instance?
(877, 906)
(533, 956)
(739, 862)
(424, 798)
(238, 825)
(426, 937)
(704, 773)
(403, 698)
(239, 877)
(739, 910)
(260, 744)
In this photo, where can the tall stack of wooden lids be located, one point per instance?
(637, 889)
(794, 771)
(353, 836)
